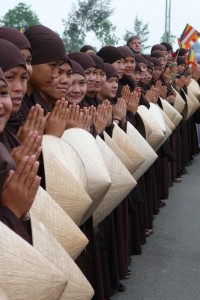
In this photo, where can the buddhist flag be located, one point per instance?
(189, 37)
(191, 61)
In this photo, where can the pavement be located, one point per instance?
(169, 267)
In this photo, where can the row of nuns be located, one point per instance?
(90, 143)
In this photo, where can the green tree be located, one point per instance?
(140, 29)
(172, 39)
(21, 16)
(88, 16)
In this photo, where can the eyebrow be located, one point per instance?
(3, 85)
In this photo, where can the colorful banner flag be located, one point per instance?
(191, 61)
(188, 37)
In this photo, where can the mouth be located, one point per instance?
(16, 100)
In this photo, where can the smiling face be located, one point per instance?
(90, 75)
(119, 66)
(16, 79)
(100, 79)
(77, 90)
(5, 105)
(109, 89)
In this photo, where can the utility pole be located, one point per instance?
(167, 33)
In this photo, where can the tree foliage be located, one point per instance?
(140, 29)
(21, 16)
(88, 16)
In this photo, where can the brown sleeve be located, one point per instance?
(8, 218)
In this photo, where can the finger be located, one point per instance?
(25, 172)
(31, 172)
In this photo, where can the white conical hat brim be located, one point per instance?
(2, 295)
(59, 223)
(97, 174)
(171, 112)
(68, 156)
(118, 151)
(145, 149)
(194, 88)
(122, 183)
(157, 114)
(157, 136)
(168, 122)
(124, 142)
(64, 188)
(26, 272)
(78, 287)
(192, 105)
(179, 103)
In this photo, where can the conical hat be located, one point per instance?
(97, 174)
(68, 156)
(123, 141)
(26, 272)
(194, 88)
(171, 112)
(145, 149)
(168, 122)
(78, 287)
(64, 188)
(2, 295)
(158, 116)
(118, 151)
(192, 104)
(59, 224)
(122, 183)
(157, 135)
(179, 103)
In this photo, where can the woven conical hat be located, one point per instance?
(118, 151)
(68, 156)
(26, 273)
(97, 174)
(168, 122)
(157, 114)
(179, 103)
(64, 188)
(123, 141)
(2, 295)
(157, 135)
(122, 183)
(78, 287)
(192, 104)
(145, 149)
(194, 88)
(171, 112)
(59, 224)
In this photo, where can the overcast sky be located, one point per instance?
(150, 11)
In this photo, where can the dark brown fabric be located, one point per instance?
(110, 71)
(159, 47)
(98, 62)
(110, 54)
(126, 51)
(15, 36)
(140, 59)
(10, 56)
(76, 68)
(157, 54)
(86, 48)
(46, 45)
(2, 77)
(84, 59)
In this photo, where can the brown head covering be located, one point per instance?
(110, 71)
(15, 36)
(158, 47)
(98, 62)
(86, 48)
(126, 51)
(110, 54)
(137, 67)
(155, 61)
(140, 59)
(157, 54)
(84, 59)
(2, 77)
(167, 46)
(46, 45)
(10, 57)
(76, 68)
(180, 60)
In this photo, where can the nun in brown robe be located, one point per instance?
(106, 255)
(7, 164)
